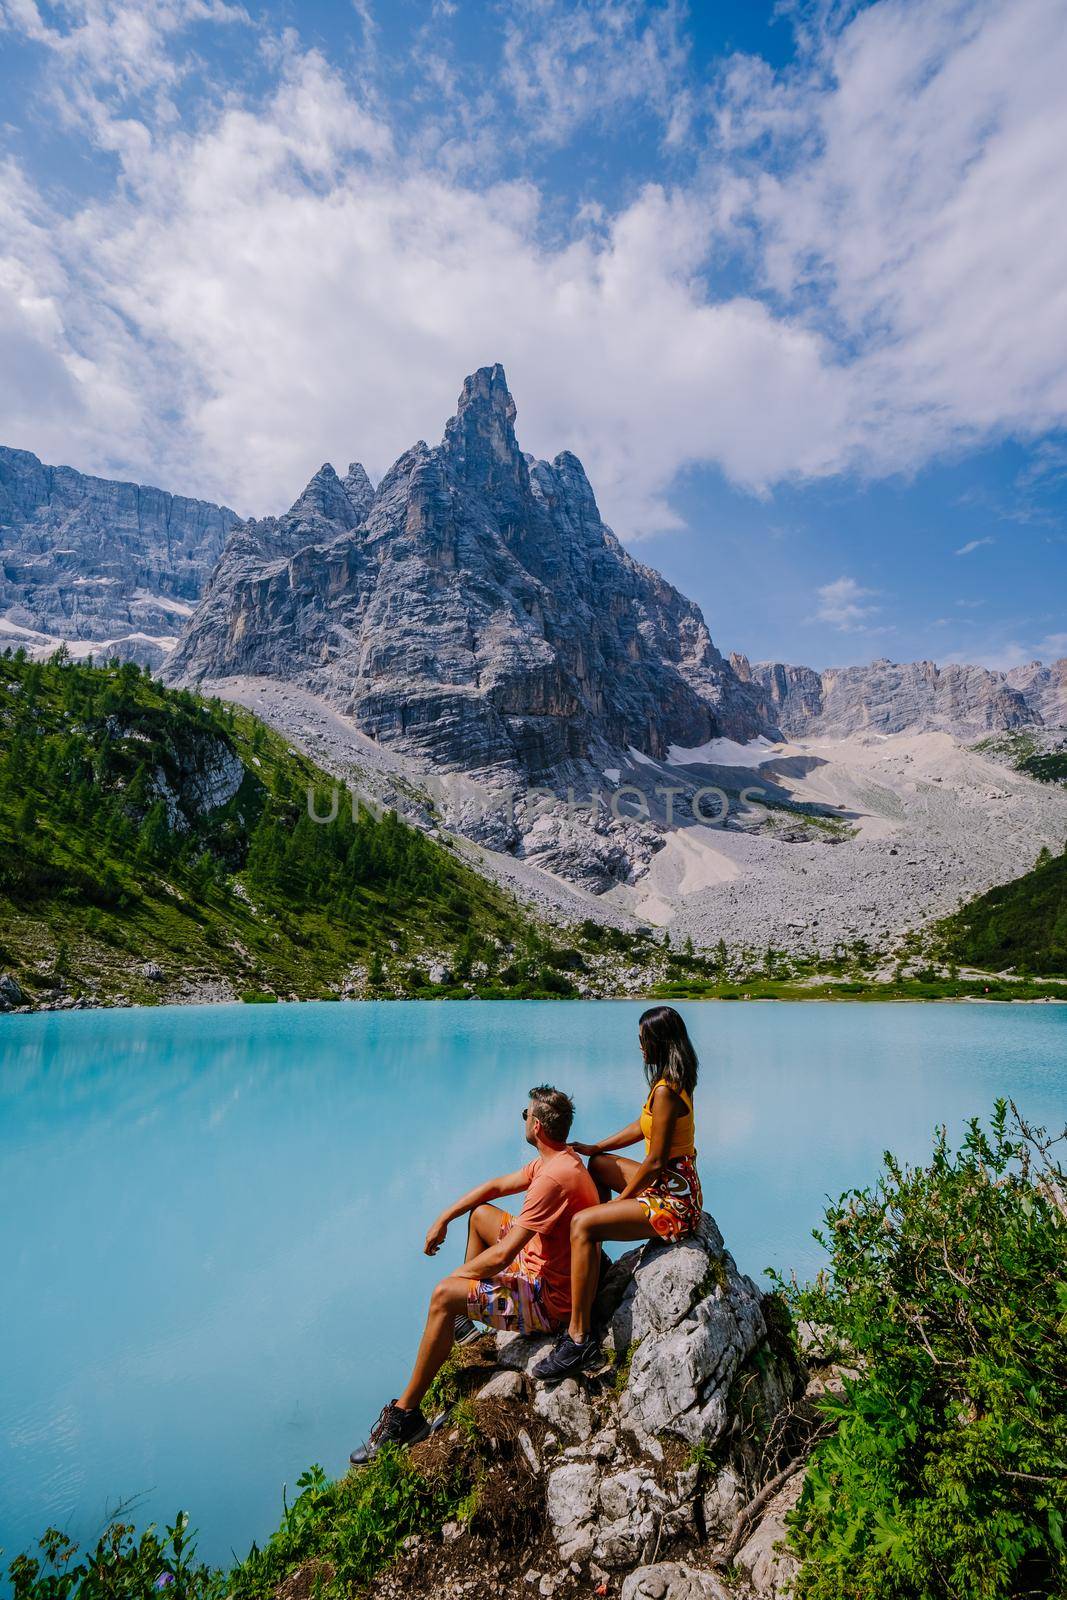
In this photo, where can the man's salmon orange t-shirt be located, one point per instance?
(560, 1186)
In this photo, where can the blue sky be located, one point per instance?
(790, 280)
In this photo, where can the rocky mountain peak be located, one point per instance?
(480, 445)
(358, 488)
(483, 620)
(326, 496)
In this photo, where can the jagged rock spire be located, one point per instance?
(359, 488)
(480, 443)
(327, 496)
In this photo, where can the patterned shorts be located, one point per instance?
(509, 1301)
(512, 1300)
(674, 1202)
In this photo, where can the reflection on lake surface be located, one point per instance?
(212, 1216)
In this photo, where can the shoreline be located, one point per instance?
(220, 1002)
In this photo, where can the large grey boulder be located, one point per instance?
(623, 1477)
(572, 1493)
(11, 992)
(687, 1320)
(673, 1580)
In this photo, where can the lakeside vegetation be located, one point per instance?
(1019, 926)
(156, 845)
(945, 1475)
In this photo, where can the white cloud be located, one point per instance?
(916, 198)
(116, 53)
(279, 280)
(567, 63)
(972, 545)
(279, 287)
(843, 605)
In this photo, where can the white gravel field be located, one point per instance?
(935, 823)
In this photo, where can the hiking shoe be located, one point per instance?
(392, 1427)
(467, 1331)
(568, 1358)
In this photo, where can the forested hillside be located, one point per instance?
(1020, 925)
(151, 842)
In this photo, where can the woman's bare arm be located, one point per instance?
(615, 1141)
(667, 1107)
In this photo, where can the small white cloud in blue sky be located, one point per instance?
(972, 545)
(845, 604)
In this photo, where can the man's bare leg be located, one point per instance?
(449, 1297)
(483, 1229)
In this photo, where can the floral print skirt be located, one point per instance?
(674, 1202)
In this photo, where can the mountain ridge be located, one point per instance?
(100, 562)
(91, 562)
(885, 697)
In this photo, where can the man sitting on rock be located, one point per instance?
(517, 1271)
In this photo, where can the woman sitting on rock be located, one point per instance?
(659, 1197)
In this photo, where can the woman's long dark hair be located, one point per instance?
(667, 1049)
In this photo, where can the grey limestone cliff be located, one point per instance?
(1044, 687)
(890, 697)
(91, 561)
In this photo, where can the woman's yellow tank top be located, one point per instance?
(682, 1141)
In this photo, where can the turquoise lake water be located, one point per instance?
(210, 1236)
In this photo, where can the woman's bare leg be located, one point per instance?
(619, 1219)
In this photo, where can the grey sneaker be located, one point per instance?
(392, 1427)
(467, 1331)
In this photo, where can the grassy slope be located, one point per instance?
(1022, 924)
(1027, 753)
(94, 883)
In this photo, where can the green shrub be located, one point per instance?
(947, 1475)
(121, 1566)
(356, 1524)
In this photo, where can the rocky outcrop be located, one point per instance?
(1044, 689)
(888, 697)
(11, 992)
(95, 562)
(638, 1479)
(473, 612)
